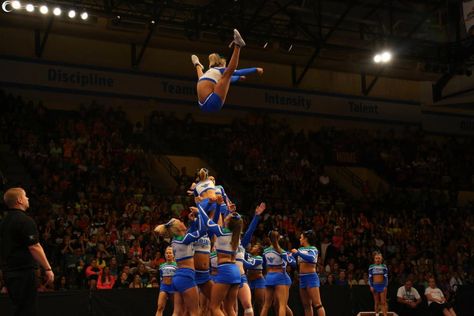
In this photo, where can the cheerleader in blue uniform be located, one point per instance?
(228, 278)
(307, 258)
(255, 276)
(278, 282)
(204, 192)
(245, 295)
(167, 271)
(213, 85)
(378, 282)
(184, 283)
(202, 251)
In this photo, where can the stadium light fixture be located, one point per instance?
(16, 5)
(44, 9)
(383, 57)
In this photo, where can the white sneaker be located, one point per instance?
(238, 40)
(196, 61)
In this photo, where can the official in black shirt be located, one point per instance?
(20, 251)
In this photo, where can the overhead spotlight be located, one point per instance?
(16, 5)
(386, 57)
(118, 17)
(383, 57)
(71, 14)
(152, 22)
(84, 15)
(30, 8)
(44, 9)
(265, 45)
(57, 11)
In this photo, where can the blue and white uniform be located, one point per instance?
(203, 186)
(241, 254)
(273, 259)
(203, 246)
(307, 255)
(255, 263)
(378, 269)
(167, 269)
(183, 248)
(199, 189)
(213, 102)
(227, 273)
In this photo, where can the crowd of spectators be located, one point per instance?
(96, 205)
(407, 158)
(419, 229)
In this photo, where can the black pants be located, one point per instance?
(21, 286)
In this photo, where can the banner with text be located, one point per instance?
(130, 84)
(447, 123)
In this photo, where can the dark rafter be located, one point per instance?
(323, 41)
(40, 44)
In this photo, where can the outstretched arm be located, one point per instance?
(253, 225)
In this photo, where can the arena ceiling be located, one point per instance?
(427, 37)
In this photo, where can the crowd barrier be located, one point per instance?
(337, 300)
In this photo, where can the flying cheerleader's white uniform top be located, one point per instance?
(203, 186)
(213, 74)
